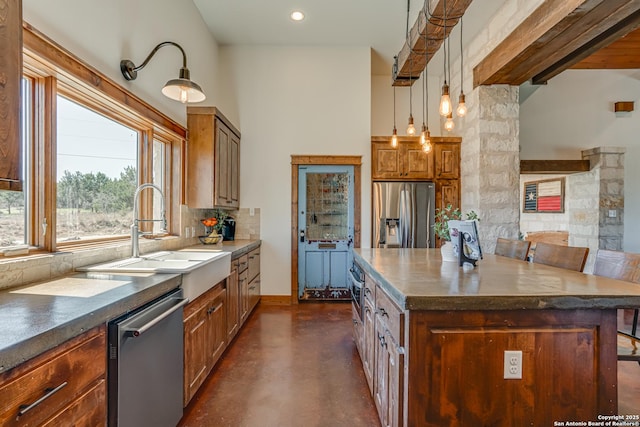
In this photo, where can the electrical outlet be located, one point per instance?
(193, 232)
(612, 213)
(186, 232)
(513, 364)
(252, 211)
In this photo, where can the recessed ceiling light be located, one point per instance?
(297, 15)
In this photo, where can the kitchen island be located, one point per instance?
(434, 335)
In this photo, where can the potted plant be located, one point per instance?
(213, 227)
(441, 228)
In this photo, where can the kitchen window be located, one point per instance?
(87, 144)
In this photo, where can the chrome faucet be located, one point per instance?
(135, 245)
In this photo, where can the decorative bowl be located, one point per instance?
(210, 240)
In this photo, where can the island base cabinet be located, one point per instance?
(455, 374)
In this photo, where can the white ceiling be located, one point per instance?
(380, 24)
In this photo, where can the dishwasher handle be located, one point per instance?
(136, 332)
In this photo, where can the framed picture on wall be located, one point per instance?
(545, 196)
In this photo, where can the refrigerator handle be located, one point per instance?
(404, 218)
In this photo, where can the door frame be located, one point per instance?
(302, 160)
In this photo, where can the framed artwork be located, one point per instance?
(545, 196)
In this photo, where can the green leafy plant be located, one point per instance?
(443, 216)
(215, 222)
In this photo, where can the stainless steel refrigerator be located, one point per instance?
(403, 214)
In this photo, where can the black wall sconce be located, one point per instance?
(181, 89)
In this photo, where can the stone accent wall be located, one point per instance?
(581, 205)
(610, 162)
(490, 164)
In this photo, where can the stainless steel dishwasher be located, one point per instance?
(145, 368)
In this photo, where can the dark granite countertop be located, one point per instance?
(417, 279)
(40, 316)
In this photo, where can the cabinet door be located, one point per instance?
(217, 324)
(254, 292)
(369, 344)
(222, 153)
(447, 161)
(381, 386)
(234, 171)
(447, 193)
(386, 162)
(196, 330)
(10, 77)
(417, 163)
(358, 330)
(233, 303)
(396, 383)
(244, 296)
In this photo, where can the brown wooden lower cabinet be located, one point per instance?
(213, 319)
(446, 368)
(72, 376)
(205, 333)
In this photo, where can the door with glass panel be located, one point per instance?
(325, 234)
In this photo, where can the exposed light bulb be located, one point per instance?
(423, 135)
(184, 95)
(448, 124)
(461, 111)
(394, 138)
(445, 101)
(411, 129)
(426, 147)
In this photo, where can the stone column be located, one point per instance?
(610, 162)
(490, 164)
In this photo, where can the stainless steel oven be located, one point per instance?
(356, 281)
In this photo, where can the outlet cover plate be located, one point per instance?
(513, 365)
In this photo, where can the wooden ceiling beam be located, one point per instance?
(554, 37)
(554, 166)
(412, 58)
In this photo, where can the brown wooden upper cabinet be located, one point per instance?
(10, 78)
(213, 160)
(447, 160)
(408, 162)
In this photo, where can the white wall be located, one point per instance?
(574, 112)
(102, 33)
(295, 100)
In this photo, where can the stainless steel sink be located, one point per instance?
(200, 270)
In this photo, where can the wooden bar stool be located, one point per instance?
(567, 257)
(517, 249)
(622, 266)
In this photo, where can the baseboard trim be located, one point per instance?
(275, 299)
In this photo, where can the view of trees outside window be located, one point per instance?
(96, 174)
(13, 205)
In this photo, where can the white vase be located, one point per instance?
(446, 250)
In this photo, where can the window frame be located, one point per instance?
(53, 71)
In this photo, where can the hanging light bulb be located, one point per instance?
(461, 111)
(426, 147)
(448, 124)
(423, 135)
(394, 136)
(411, 129)
(445, 101)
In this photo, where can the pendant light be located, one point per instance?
(445, 101)
(448, 124)
(461, 111)
(411, 129)
(425, 137)
(394, 135)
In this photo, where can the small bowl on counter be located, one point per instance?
(210, 240)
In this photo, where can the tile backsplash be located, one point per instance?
(28, 269)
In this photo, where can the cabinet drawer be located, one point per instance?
(369, 290)
(390, 315)
(89, 410)
(243, 263)
(62, 375)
